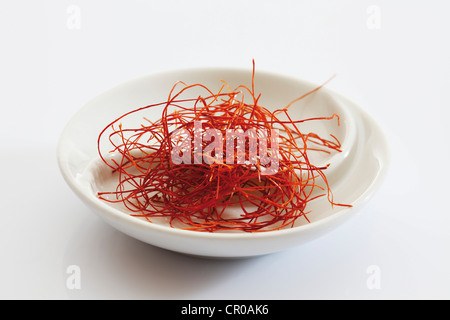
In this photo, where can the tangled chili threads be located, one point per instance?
(174, 168)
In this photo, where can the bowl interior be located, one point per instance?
(276, 93)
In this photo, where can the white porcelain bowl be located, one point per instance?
(354, 174)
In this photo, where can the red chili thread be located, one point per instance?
(199, 196)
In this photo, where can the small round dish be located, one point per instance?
(354, 174)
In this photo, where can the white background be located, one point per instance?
(391, 57)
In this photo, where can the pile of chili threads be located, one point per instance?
(166, 170)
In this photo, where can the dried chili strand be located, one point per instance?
(204, 197)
